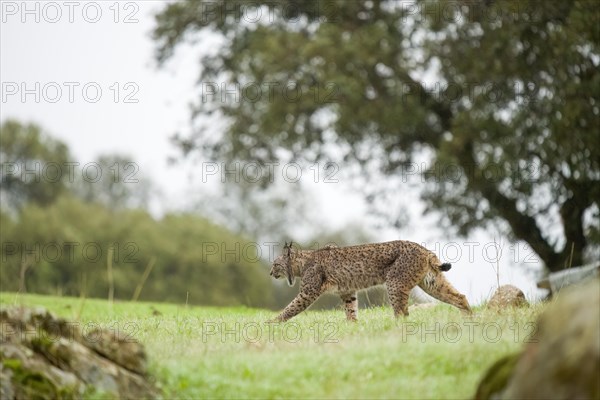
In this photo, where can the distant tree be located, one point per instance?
(116, 183)
(276, 212)
(65, 229)
(67, 245)
(34, 165)
(502, 96)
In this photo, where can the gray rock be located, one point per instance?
(46, 357)
(507, 296)
(567, 277)
(563, 360)
(119, 348)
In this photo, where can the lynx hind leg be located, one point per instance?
(350, 305)
(436, 285)
(398, 299)
(400, 280)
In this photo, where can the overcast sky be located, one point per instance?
(85, 72)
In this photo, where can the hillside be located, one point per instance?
(200, 352)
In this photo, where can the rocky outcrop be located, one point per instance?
(46, 357)
(507, 296)
(562, 360)
(567, 277)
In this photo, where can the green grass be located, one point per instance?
(209, 352)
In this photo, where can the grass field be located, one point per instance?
(205, 352)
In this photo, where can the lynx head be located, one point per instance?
(282, 265)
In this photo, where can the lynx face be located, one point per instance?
(280, 270)
(282, 266)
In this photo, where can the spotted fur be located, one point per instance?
(400, 265)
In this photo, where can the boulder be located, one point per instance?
(567, 277)
(46, 357)
(562, 360)
(507, 296)
(496, 378)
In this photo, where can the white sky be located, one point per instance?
(76, 53)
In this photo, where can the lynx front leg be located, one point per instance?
(350, 305)
(310, 289)
(299, 304)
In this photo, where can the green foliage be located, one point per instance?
(66, 246)
(58, 236)
(119, 185)
(35, 384)
(528, 143)
(510, 120)
(31, 165)
(205, 352)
